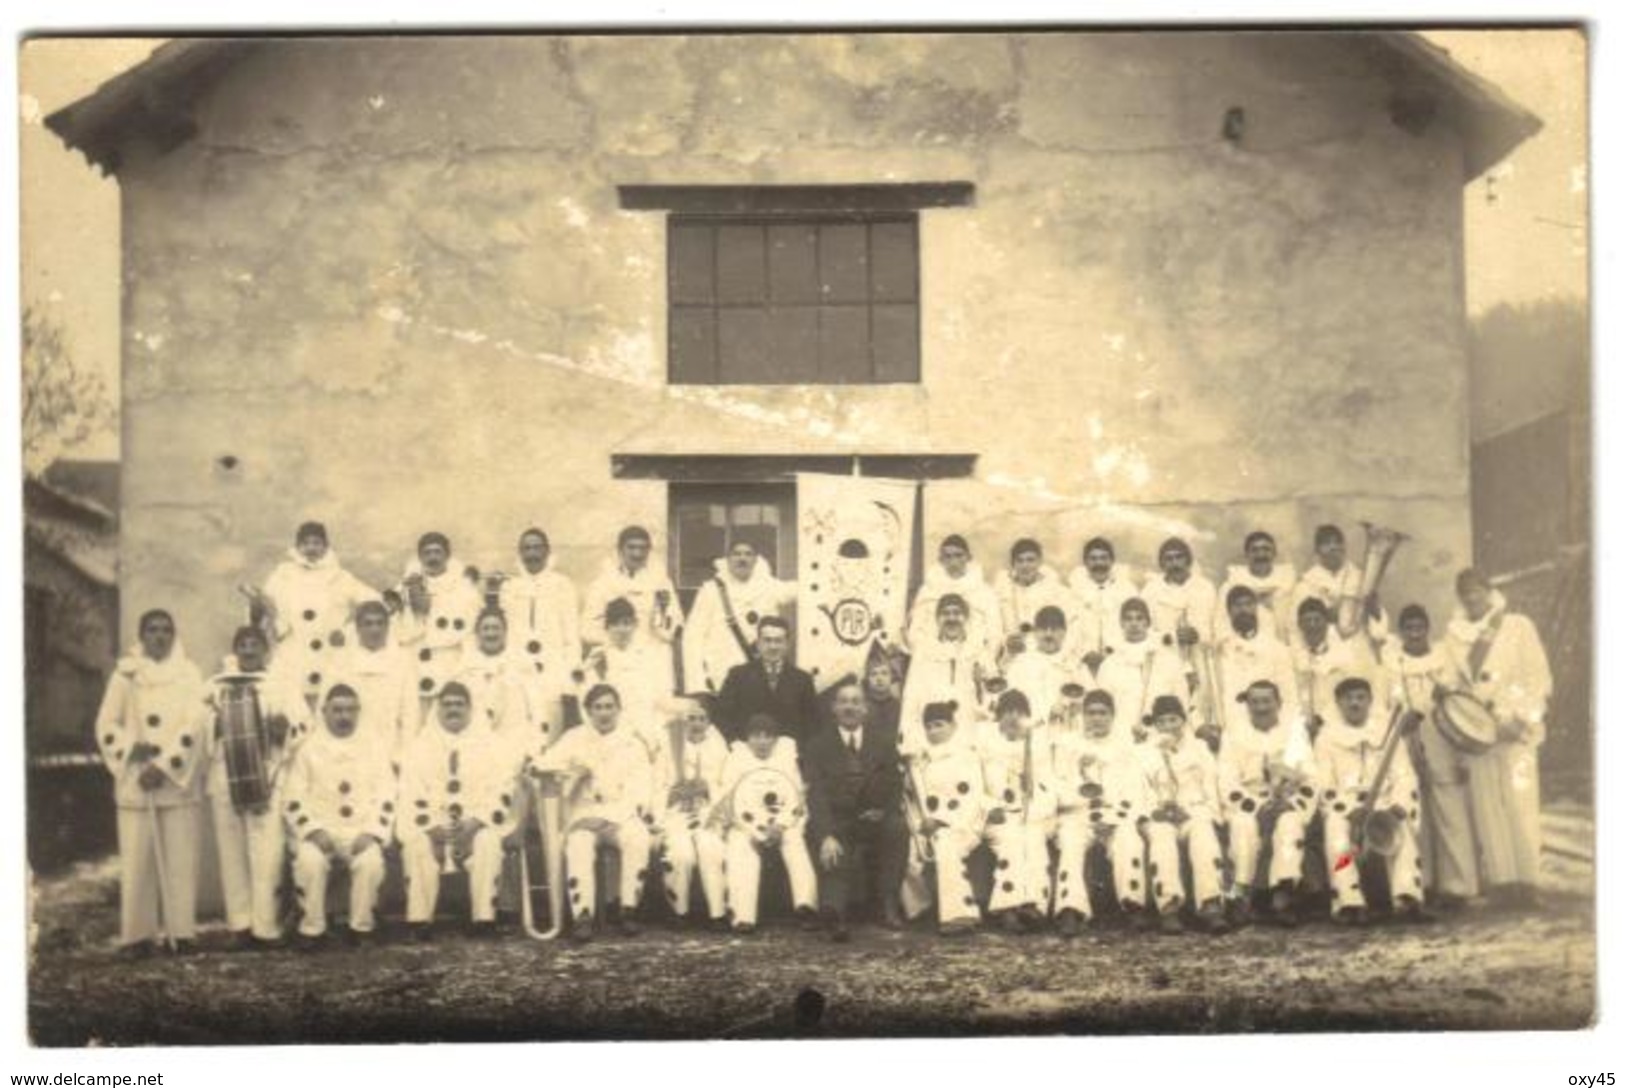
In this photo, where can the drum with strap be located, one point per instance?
(1465, 722)
(244, 741)
(766, 797)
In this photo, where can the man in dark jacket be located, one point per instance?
(769, 684)
(855, 818)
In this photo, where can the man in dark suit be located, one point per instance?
(769, 684)
(855, 816)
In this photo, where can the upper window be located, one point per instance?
(783, 300)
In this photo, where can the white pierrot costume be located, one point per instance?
(1346, 760)
(710, 647)
(1020, 843)
(1499, 659)
(953, 794)
(1100, 796)
(747, 833)
(641, 673)
(1275, 595)
(691, 832)
(1194, 602)
(544, 623)
(157, 703)
(1321, 668)
(437, 638)
(1135, 673)
(1185, 775)
(1258, 769)
(1040, 676)
(505, 688)
(1449, 843)
(942, 670)
(642, 589)
(1097, 607)
(343, 786)
(1239, 661)
(610, 788)
(315, 606)
(1330, 587)
(986, 618)
(386, 681)
(1019, 604)
(448, 780)
(251, 845)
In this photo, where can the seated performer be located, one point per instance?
(149, 736)
(1417, 670)
(1028, 585)
(1249, 650)
(609, 779)
(1272, 582)
(1099, 589)
(854, 801)
(1181, 599)
(689, 776)
(1499, 660)
(635, 665)
(720, 631)
(308, 603)
(1041, 672)
(947, 772)
(249, 837)
(1020, 805)
(769, 684)
(340, 809)
(1267, 781)
(384, 677)
(1348, 752)
(630, 575)
(1100, 794)
(438, 603)
(957, 573)
(770, 817)
(952, 664)
(544, 617)
(1139, 667)
(452, 779)
(1182, 788)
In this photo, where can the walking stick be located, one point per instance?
(163, 872)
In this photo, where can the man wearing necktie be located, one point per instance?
(769, 684)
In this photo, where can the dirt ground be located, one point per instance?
(1479, 971)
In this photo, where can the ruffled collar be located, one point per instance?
(328, 561)
(146, 672)
(1464, 629)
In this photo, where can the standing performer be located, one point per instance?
(1418, 670)
(385, 678)
(953, 812)
(1100, 795)
(452, 781)
(1099, 588)
(340, 808)
(1027, 586)
(1500, 662)
(440, 604)
(503, 684)
(308, 602)
(148, 733)
(1182, 787)
(1322, 658)
(769, 684)
(1043, 670)
(949, 666)
(544, 616)
(1250, 651)
(854, 803)
(770, 817)
(630, 575)
(1268, 785)
(248, 834)
(689, 776)
(721, 628)
(1020, 803)
(610, 780)
(1272, 582)
(1182, 600)
(635, 665)
(957, 573)
(1139, 667)
(1331, 577)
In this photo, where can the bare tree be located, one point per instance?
(63, 402)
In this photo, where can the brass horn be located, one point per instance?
(1380, 545)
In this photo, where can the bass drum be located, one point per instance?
(1466, 723)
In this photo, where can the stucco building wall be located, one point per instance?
(389, 285)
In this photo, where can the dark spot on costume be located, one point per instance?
(315, 645)
(1249, 805)
(389, 806)
(423, 819)
(1004, 863)
(932, 802)
(952, 804)
(533, 646)
(1362, 795)
(1136, 862)
(441, 623)
(1340, 807)
(1156, 889)
(1007, 886)
(454, 786)
(1297, 844)
(293, 806)
(457, 625)
(426, 684)
(963, 788)
(186, 740)
(1134, 885)
(345, 812)
(425, 655)
(309, 614)
(573, 883)
(499, 817)
(177, 762)
(1415, 813)
(1009, 797)
(749, 817)
(344, 787)
(455, 811)
(421, 803)
(1096, 817)
(1235, 795)
(315, 678)
(154, 720)
(1307, 791)
(970, 901)
(1331, 794)
(109, 739)
(303, 820)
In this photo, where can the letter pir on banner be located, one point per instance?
(855, 544)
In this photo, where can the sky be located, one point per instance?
(1526, 220)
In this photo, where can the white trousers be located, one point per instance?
(1504, 784)
(311, 868)
(423, 872)
(581, 845)
(251, 848)
(688, 849)
(178, 829)
(1075, 833)
(1404, 867)
(1201, 841)
(1020, 865)
(745, 873)
(1286, 848)
(952, 848)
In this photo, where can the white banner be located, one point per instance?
(855, 545)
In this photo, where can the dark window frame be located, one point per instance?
(781, 495)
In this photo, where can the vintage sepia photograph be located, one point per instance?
(690, 533)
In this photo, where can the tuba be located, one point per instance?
(1380, 545)
(547, 794)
